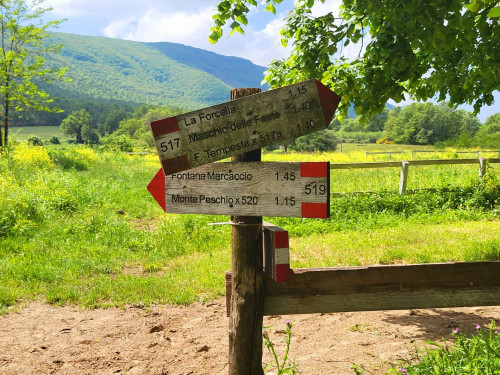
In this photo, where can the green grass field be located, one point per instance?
(77, 226)
(44, 132)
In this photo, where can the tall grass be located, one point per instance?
(79, 226)
(94, 236)
(466, 354)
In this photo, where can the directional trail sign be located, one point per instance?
(215, 133)
(247, 189)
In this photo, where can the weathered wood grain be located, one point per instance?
(387, 164)
(247, 283)
(253, 189)
(393, 287)
(248, 123)
(403, 180)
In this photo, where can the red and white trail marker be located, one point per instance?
(276, 253)
(247, 189)
(249, 123)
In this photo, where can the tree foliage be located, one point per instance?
(78, 124)
(447, 50)
(374, 124)
(488, 134)
(113, 120)
(22, 59)
(324, 140)
(426, 123)
(134, 132)
(89, 135)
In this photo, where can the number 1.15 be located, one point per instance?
(300, 91)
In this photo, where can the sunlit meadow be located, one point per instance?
(77, 225)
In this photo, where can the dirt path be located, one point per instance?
(42, 339)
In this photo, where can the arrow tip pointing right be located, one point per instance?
(329, 101)
(157, 189)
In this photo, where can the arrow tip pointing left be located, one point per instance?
(157, 189)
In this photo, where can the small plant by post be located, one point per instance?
(283, 366)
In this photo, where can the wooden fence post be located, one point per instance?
(482, 167)
(247, 287)
(404, 177)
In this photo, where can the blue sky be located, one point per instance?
(188, 22)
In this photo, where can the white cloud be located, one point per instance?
(320, 9)
(64, 8)
(270, 38)
(402, 103)
(69, 8)
(115, 9)
(185, 22)
(159, 26)
(192, 28)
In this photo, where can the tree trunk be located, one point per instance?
(247, 299)
(79, 139)
(7, 107)
(6, 119)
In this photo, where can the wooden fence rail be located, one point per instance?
(383, 287)
(477, 152)
(404, 165)
(384, 153)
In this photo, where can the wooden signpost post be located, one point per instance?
(246, 189)
(245, 124)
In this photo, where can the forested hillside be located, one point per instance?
(105, 71)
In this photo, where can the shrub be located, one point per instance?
(324, 140)
(385, 141)
(35, 141)
(25, 155)
(359, 137)
(55, 140)
(79, 158)
(118, 142)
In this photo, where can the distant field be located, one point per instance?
(43, 132)
(373, 147)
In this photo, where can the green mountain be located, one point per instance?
(105, 71)
(107, 74)
(149, 73)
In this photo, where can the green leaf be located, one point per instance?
(215, 35)
(473, 7)
(237, 29)
(234, 25)
(242, 19)
(494, 12)
(223, 6)
(270, 8)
